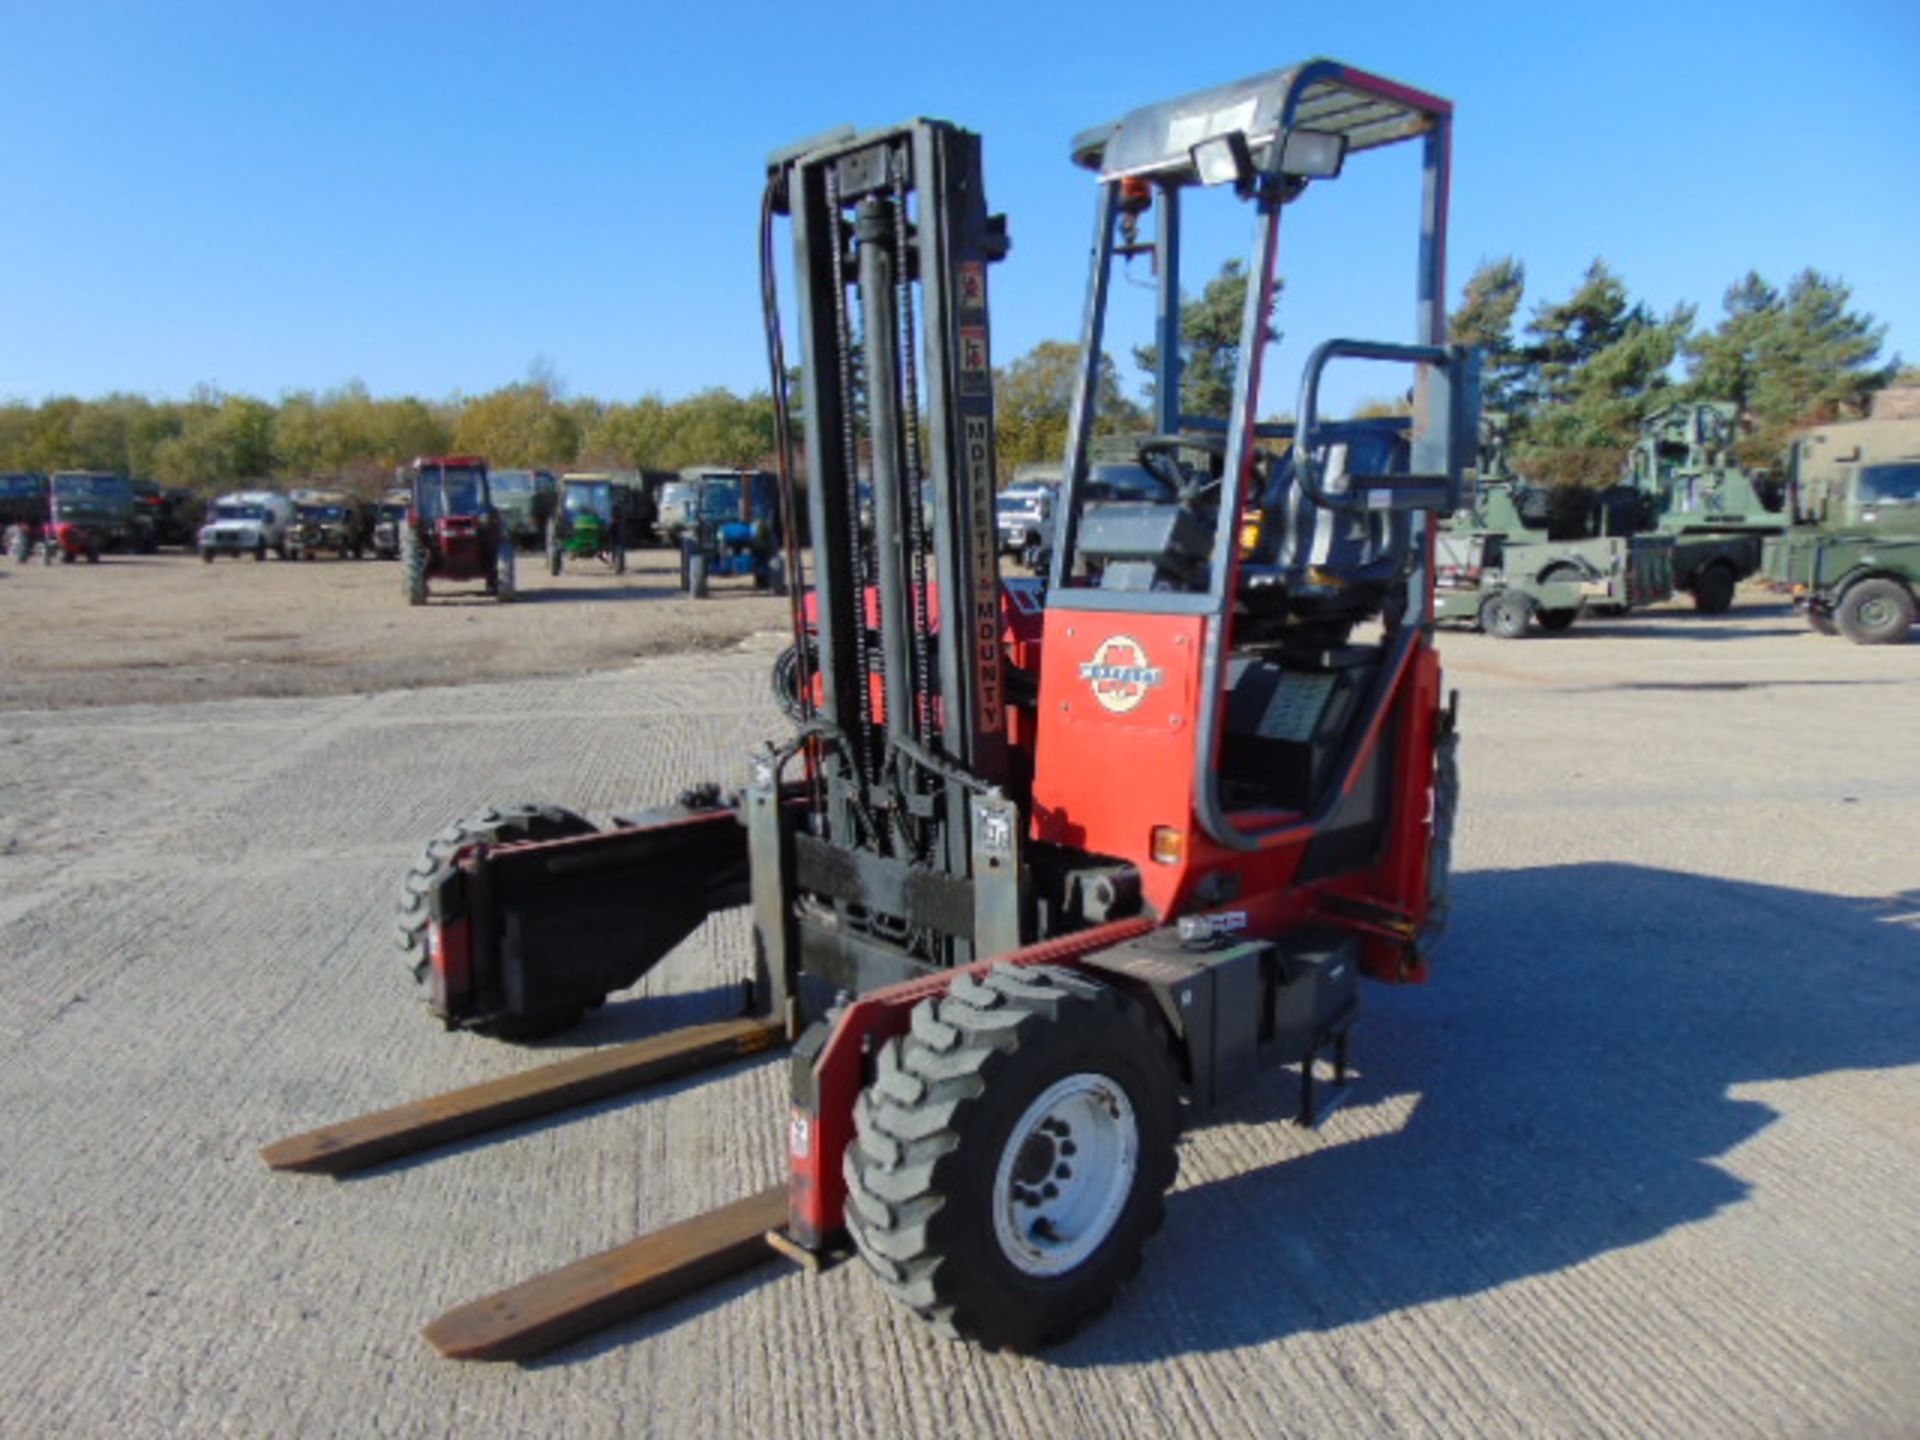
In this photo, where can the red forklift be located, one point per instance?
(453, 530)
(1046, 868)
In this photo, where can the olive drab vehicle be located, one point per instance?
(328, 522)
(1717, 511)
(1499, 570)
(525, 500)
(1851, 557)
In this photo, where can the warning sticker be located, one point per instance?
(974, 378)
(973, 287)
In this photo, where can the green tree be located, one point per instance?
(1033, 399)
(1485, 318)
(1598, 362)
(1210, 348)
(1789, 358)
(523, 424)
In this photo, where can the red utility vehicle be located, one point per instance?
(453, 532)
(1045, 868)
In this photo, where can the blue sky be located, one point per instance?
(435, 198)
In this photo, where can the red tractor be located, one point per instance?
(452, 531)
(1046, 868)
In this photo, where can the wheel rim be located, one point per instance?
(1065, 1173)
(1876, 613)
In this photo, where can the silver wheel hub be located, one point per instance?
(1065, 1173)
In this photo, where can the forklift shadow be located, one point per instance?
(1566, 1086)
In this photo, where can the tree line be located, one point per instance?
(1573, 383)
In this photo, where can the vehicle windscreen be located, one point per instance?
(236, 510)
(92, 494)
(450, 490)
(393, 512)
(589, 500)
(513, 482)
(720, 499)
(1890, 484)
(14, 486)
(324, 514)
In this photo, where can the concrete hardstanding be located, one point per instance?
(1640, 1161)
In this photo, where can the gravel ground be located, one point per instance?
(1639, 1161)
(161, 629)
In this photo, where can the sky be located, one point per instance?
(440, 199)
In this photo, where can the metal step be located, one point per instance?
(440, 1119)
(561, 1305)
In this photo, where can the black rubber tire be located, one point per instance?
(697, 576)
(413, 558)
(1713, 590)
(260, 551)
(93, 554)
(930, 1132)
(495, 824)
(777, 575)
(556, 557)
(1876, 611)
(619, 559)
(1821, 622)
(504, 588)
(1506, 614)
(1556, 620)
(207, 556)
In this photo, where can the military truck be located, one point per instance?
(389, 519)
(328, 520)
(525, 500)
(1503, 575)
(164, 515)
(1851, 557)
(1718, 513)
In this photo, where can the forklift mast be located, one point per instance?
(905, 723)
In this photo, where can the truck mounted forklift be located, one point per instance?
(1046, 866)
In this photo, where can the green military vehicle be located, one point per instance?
(590, 522)
(1718, 514)
(1851, 558)
(525, 500)
(1498, 572)
(328, 521)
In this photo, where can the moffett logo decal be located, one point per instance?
(1120, 674)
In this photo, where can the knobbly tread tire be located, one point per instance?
(1713, 590)
(504, 576)
(929, 1131)
(1506, 614)
(1875, 611)
(697, 576)
(495, 823)
(413, 561)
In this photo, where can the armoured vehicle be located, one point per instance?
(525, 500)
(247, 522)
(1851, 558)
(1717, 513)
(328, 521)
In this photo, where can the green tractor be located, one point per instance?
(590, 522)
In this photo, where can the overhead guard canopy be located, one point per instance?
(1157, 140)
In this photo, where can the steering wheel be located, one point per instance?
(1159, 456)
